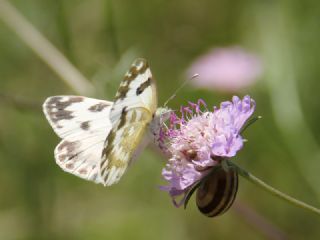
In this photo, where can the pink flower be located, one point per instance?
(199, 139)
(226, 69)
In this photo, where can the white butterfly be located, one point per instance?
(100, 138)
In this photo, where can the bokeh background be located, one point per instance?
(101, 38)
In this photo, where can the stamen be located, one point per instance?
(194, 106)
(203, 103)
(182, 113)
(188, 113)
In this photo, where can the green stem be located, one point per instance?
(272, 190)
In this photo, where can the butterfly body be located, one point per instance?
(100, 138)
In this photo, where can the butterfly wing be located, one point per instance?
(83, 124)
(132, 111)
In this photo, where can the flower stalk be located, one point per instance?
(247, 175)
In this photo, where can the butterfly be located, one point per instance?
(101, 138)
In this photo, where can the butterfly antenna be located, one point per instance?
(179, 88)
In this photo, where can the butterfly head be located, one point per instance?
(160, 117)
(163, 112)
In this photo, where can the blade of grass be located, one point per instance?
(44, 49)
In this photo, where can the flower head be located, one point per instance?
(199, 139)
(226, 69)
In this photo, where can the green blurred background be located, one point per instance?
(101, 38)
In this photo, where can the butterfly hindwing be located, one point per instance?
(83, 124)
(130, 115)
(122, 144)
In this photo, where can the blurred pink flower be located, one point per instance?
(226, 69)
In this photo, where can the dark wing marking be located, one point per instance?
(135, 104)
(83, 124)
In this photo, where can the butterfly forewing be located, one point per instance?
(132, 111)
(136, 90)
(74, 115)
(82, 123)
